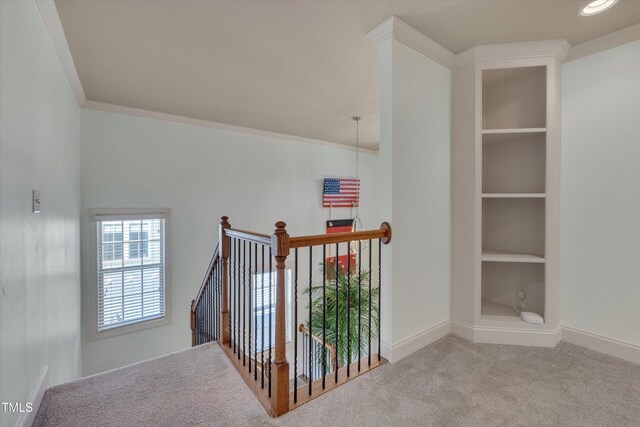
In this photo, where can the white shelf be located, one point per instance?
(495, 311)
(504, 135)
(513, 195)
(494, 255)
(513, 130)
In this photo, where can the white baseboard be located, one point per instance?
(503, 335)
(462, 329)
(612, 347)
(396, 352)
(35, 398)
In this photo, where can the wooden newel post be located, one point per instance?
(224, 255)
(279, 365)
(192, 318)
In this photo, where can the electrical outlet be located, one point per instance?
(522, 294)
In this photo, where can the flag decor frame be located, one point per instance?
(341, 193)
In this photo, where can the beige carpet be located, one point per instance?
(450, 383)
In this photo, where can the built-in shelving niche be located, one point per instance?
(514, 163)
(500, 283)
(506, 159)
(513, 191)
(514, 225)
(514, 98)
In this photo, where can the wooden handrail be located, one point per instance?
(263, 239)
(383, 233)
(332, 348)
(205, 281)
(305, 330)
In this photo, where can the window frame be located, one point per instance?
(92, 261)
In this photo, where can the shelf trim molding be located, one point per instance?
(506, 335)
(523, 50)
(395, 28)
(492, 255)
(513, 130)
(513, 195)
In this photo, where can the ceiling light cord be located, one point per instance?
(357, 119)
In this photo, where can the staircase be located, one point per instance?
(258, 286)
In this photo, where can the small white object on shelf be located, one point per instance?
(531, 317)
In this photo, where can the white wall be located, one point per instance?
(384, 187)
(39, 253)
(601, 194)
(202, 174)
(415, 148)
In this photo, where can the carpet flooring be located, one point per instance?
(452, 382)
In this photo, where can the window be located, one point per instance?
(112, 251)
(264, 309)
(131, 284)
(138, 242)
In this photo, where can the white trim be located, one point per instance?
(397, 29)
(462, 329)
(505, 335)
(139, 112)
(601, 344)
(493, 335)
(35, 398)
(523, 50)
(396, 352)
(51, 19)
(52, 22)
(92, 273)
(605, 42)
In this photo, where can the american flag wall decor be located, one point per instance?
(341, 193)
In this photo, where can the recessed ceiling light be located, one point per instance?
(597, 6)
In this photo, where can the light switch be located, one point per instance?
(36, 201)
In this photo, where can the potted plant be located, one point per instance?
(351, 295)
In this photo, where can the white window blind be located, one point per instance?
(264, 310)
(131, 270)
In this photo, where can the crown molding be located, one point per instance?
(139, 112)
(52, 22)
(605, 42)
(395, 28)
(535, 49)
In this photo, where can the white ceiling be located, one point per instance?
(301, 68)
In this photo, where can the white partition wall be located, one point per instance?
(413, 192)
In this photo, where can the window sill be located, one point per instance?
(134, 327)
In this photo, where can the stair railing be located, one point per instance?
(249, 302)
(318, 356)
(205, 309)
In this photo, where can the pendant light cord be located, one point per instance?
(357, 120)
